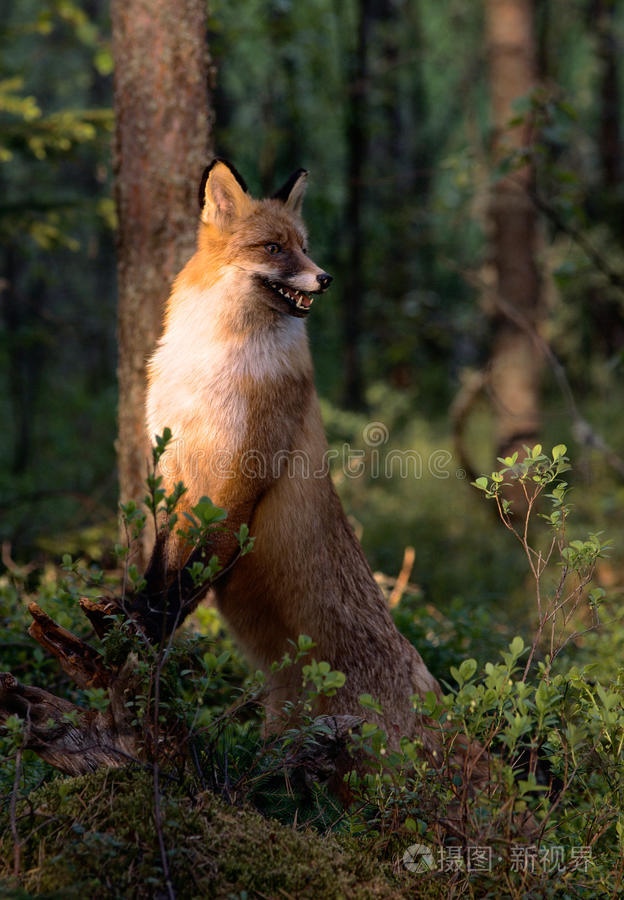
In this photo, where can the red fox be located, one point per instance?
(232, 378)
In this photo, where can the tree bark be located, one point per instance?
(514, 377)
(162, 139)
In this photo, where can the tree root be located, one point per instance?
(77, 740)
(70, 738)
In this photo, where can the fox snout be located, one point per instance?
(309, 277)
(324, 280)
(303, 273)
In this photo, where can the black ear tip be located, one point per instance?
(201, 193)
(284, 192)
(206, 174)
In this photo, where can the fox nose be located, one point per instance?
(324, 280)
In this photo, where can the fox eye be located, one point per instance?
(304, 250)
(272, 248)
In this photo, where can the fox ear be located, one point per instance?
(223, 196)
(292, 193)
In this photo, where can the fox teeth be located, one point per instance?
(291, 295)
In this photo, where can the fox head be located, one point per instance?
(265, 240)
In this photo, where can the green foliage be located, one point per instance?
(553, 732)
(320, 674)
(553, 735)
(58, 592)
(447, 610)
(100, 842)
(57, 275)
(531, 474)
(32, 132)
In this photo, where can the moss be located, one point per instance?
(95, 836)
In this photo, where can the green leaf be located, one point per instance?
(369, 702)
(430, 703)
(304, 643)
(467, 669)
(207, 512)
(103, 61)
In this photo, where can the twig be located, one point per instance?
(17, 847)
(614, 278)
(159, 831)
(16, 571)
(462, 406)
(400, 585)
(163, 654)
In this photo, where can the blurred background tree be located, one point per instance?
(413, 127)
(515, 360)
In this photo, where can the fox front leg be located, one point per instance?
(173, 584)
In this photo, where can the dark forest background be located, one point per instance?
(389, 104)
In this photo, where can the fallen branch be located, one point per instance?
(68, 737)
(77, 741)
(402, 581)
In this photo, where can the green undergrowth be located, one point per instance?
(227, 815)
(473, 587)
(95, 836)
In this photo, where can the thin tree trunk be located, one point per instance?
(357, 155)
(610, 143)
(603, 307)
(162, 133)
(515, 363)
(21, 312)
(401, 160)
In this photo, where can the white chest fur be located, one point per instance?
(208, 351)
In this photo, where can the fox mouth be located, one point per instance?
(301, 301)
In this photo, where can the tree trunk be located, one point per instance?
(610, 140)
(515, 362)
(604, 307)
(162, 139)
(357, 155)
(401, 160)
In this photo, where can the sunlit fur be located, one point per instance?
(231, 374)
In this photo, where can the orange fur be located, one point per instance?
(233, 379)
